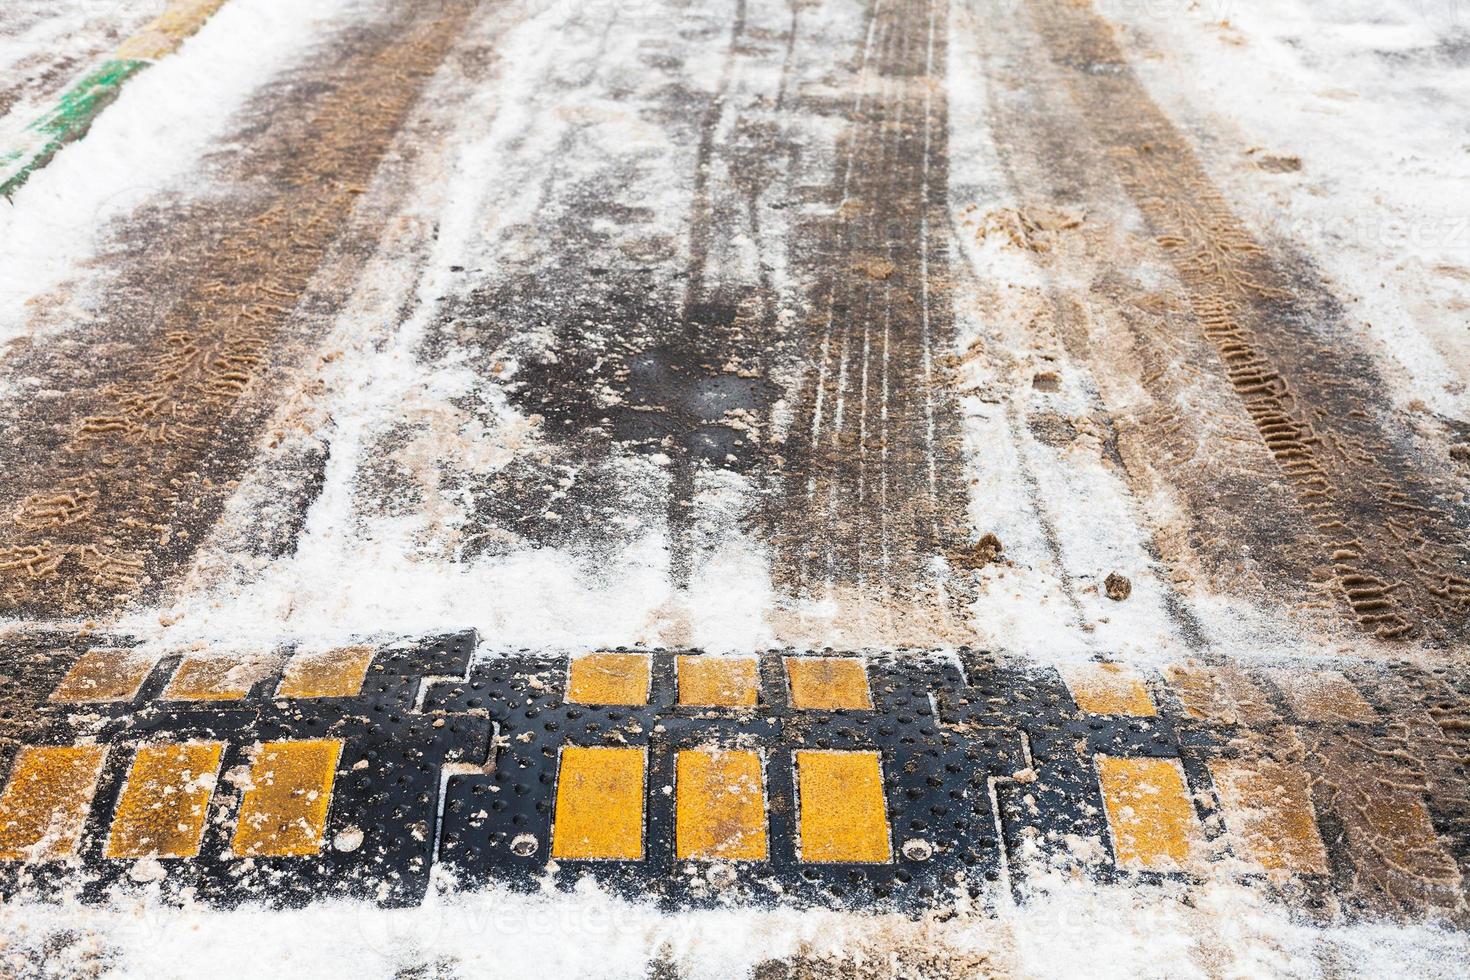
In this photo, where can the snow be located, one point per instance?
(154, 135)
(1284, 77)
(1066, 929)
(1363, 94)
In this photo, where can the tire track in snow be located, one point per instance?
(1388, 531)
(150, 417)
(872, 500)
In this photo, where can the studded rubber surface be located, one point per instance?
(898, 780)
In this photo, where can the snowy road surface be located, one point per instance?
(723, 488)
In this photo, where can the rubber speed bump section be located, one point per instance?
(1268, 811)
(609, 678)
(284, 809)
(45, 803)
(720, 806)
(1109, 689)
(718, 682)
(218, 678)
(1322, 696)
(1220, 694)
(828, 683)
(162, 808)
(104, 675)
(844, 819)
(599, 804)
(335, 673)
(1149, 812)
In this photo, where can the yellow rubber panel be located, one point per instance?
(1221, 694)
(168, 30)
(599, 804)
(45, 803)
(326, 673)
(609, 678)
(844, 818)
(1322, 696)
(721, 806)
(1150, 813)
(162, 808)
(218, 678)
(284, 811)
(828, 683)
(724, 682)
(1109, 689)
(1268, 811)
(104, 675)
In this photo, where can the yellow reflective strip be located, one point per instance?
(1109, 689)
(828, 683)
(599, 804)
(609, 678)
(45, 803)
(844, 818)
(218, 678)
(1268, 811)
(284, 810)
(168, 30)
(326, 673)
(162, 808)
(1149, 811)
(730, 682)
(721, 806)
(104, 675)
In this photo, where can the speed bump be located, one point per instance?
(843, 814)
(1268, 810)
(284, 809)
(331, 792)
(599, 804)
(104, 675)
(609, 678)
(45, 804)
(718, 682)
(721, 805)
(334, 673)
(1109, 689)
(162, 809)
(862, 780)
(218, 677)
(1149, 812)
(828, 683)
(1322, 696)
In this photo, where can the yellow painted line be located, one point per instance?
(720, 806)
(1268, 811)
(844, 818)
(45, 804)
(284, 810)
(104, 675)
(1149, 812)
(218, 678)
(326, 673)
(1322, 696)
(722, 682)
(599, 804)
(1109, 689)
(162, 808)
(609, 678)
(168, 30)
(828, 683)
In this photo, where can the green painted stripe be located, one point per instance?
(72, 116)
